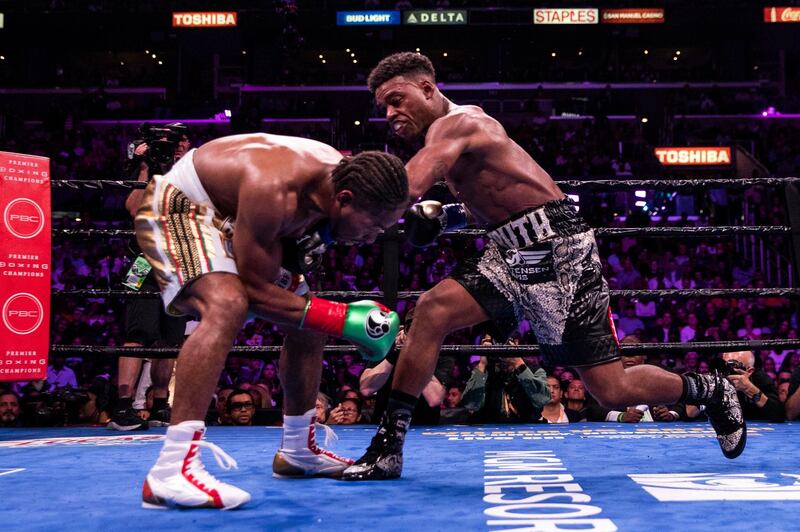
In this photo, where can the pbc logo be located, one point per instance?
(23, 313)
(24, 218)
(377, 324)
(721, 486)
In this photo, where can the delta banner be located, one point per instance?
(204, 19)
(632, 16)
(367, 18)
(576, 15)
(782, 14)
(694, 156)
(449, 17)
(24, 266)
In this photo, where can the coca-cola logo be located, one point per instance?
(24, 218)
(790, 15)
(23, 313)
(781, 14)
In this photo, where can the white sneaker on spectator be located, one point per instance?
(300, 456)
(179, 478)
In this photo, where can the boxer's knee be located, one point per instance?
(224, 309)
(433, 314)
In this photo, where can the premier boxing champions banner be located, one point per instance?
(24, 266)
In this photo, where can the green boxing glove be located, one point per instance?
(367, 324)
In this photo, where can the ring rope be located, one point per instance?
(628, 231)
(100, 184)
(354, 295)
(492, 351)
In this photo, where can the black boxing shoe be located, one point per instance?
(722, 408)
(384, 457)
(127, 419)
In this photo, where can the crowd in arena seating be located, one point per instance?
(250, 390)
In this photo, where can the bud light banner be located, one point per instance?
(24, 266)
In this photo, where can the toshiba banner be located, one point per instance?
(694, 156)
(782, 14)
(24, 266)
(210, 19)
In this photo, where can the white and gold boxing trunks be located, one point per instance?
(180, 231)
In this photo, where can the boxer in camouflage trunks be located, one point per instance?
(541, 264)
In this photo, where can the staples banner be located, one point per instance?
(782, 14)
(694, 156)
(575, 15)
(24, 266)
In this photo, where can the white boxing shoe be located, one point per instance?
(179, 479)
(300, 456)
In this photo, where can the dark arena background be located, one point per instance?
(673, 126)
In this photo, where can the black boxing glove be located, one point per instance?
(304, 254)
(426, 220)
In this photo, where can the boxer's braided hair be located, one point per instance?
(378, 180)
(399, 65)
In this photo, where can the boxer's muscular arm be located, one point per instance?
(258, 251)
(447, 139)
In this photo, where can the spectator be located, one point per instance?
(60, 376)
(240, 407)
(554, 411)
(629, 323)
(10, 413)
(348, 412)
(453, 397)
(636, 413)
(505, 390)
(576, 401)
(756, 391)
(793, 397)
(322, 406)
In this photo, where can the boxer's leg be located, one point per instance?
(178, 477)
(300, 374)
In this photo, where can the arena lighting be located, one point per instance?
(646, 52)
(321, 56)
(352, 55)
(147, 51)
(244, 52)
(677, 52)
(153, 56)
(444, 54)
(227, 113)
(355, 60)
(645, 120)
(323, 61)
(641, 204)
(346, 50)
(640, 193)
(357, 123)
(552, 54)
(161, 62)
(769, 111)
(675, 58)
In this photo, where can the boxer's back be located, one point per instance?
(222, 164)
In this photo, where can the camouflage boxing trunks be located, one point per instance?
(542, 265)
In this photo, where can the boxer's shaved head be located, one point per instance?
(401, 64)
